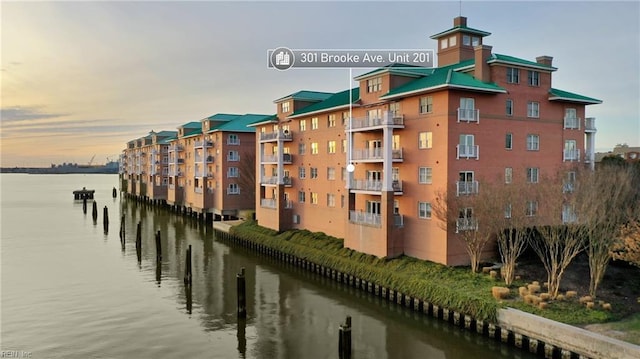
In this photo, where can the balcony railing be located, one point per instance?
(572, 123)
(569, 216)
(467, 151)
(590, 124)
(360, 217)
(466, 224)
(388, 119)
(571, 155)
(276, 135)
(268, 203)
(398, 220)
(233, 191)
(467, 187)
(286, 158)
(233, 158)
(202, 144)
(198, 189)
(176, 148)
(373, 154)
(374, 185)
(273, 180)
(468, 115)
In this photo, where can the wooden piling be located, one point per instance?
(242, 295)
(84, 205)
(105, 219)
(139, 241)
(95, 212)
(188, 277)
(114, 193)
(122, 231)
(158, 247)
(344, 339)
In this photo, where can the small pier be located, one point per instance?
(83, 193)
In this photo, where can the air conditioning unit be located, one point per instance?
(296, 219)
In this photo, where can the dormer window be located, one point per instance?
(466, 40)
(452, 41)
(286, 107)
(444, 43)
(374, 85)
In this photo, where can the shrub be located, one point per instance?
(606, 306)
(493, 274)
(585, 299)
(500, 292)
(545, 296)
(571, 294)
(543, 305)
(534, 288)
(590, 305)
(522, 291)
(560, 297)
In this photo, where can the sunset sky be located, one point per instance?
(80, 79)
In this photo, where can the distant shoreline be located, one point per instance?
(55, 170)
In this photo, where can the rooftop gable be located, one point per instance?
(560, 95)
(336, 101)
(306, 95)
(510, 60)
(241, 123)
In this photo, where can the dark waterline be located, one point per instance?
(70, 291)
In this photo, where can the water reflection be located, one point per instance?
(291, 313)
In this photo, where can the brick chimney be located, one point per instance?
(481, 70)
(544, 60)
(460, 21)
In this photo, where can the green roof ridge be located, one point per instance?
(561, 95)
(336, 100)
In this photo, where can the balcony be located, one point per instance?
(209, 159)
(468, 115)
(374, 185)
(202, 144)
(273, 180)
(388, 119)
(198, 190)
(180, 160)
(268, 203)
(233, 190)
(569, 216)
(176, 148)
(572, 123)
(175, 173)
(466, 187)
(286, 158)
(370, 219)
(201, 173)
(375, 155)
(571, 155)
(466, 224)
(234, 158)
(467, 151)
(590, 124)
(276, 135)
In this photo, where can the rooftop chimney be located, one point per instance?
(460, 21)
(544, 60)
(481, 70)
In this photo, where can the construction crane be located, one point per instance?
(91, 160)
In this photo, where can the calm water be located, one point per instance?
(71, 291)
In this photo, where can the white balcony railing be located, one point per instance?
(268, 203)
(233, 190)
(374, 154)
(276, 135)
(286, 158)
(467, 151)
(590, 124)
(468, 115)
(360, 217)
(466, 224)
(572, 123)
(388, 119)
(198, 189)
(274, 180)
(202, 144)
(466, 187)
(374, 185)
(571, 155)
(176, 148)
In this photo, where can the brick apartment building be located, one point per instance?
(364, 164)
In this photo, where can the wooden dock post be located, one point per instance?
(114, 193)
(242, 295)
(105, 219)
(84, 205)
(95, 212)
(158, 247)
(344, 339)
(188, 276)
(122, 231)
(139, 241)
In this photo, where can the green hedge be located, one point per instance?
(453, 288)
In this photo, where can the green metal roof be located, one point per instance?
(240, 123)
(441, 79)
(338, 100)
(306, 95)
(560, 95)
(398, 69)
(505, 59)
(222, 117)
(461, 28)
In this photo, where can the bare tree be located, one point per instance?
(464, 213)
(247, 175)
(604, 201)
(556, 244)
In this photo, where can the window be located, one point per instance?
(233, 188)
(508, 141)
(233, 139)
(425, 140)
(452, 41)
(508, 175)
(331, 121)
(425, 175)
(444, 43)
(314, 198)
(475, 41)
(302, 196)
(394, 108)
(532, 208)
(302, 148)
(533, 78)
(426, 104)
(314, 148)
(344, 174)
(513, 75)
(303, 125)
(507, 211)
(532, 175)
(375, 114)
(342, 201)
(424, 210)
(313, 172)
(286, 106)
(302, 172)
(345, 117)
(395, 174)
(466, 184)
(509, 107)
(466, 148)
(466, 40)
(571, 118)
(465, 221)
(374, 85)
(533, 142)
(533, 109)
(314, 123)
(569, 182)
(331, 173)
(571, 152)
(233, 156)
(331, 200)
(232, 172)
(331, 145)
(344, 146)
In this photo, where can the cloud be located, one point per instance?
(16, 114)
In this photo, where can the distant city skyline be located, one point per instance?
(82, 78)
